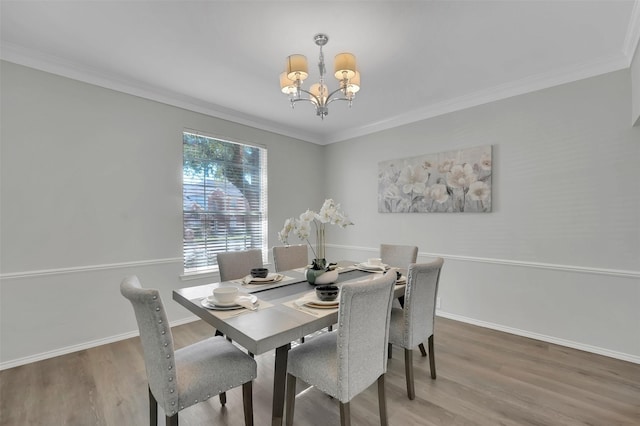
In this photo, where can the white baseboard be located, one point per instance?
(544, 338)
(82, 346)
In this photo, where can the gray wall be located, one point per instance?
(90, 183)
(91, 191)
(559, 256)
(635, 87)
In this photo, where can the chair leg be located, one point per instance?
(291, 399)
(389, 350)
(408, 371)
(422, 350)
(223, 398)
(173, 420)
(345, 414)
(432, 358)
(153, 410)
(382, 402)
(247, 403)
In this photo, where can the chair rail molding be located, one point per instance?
(620, 273)
(89, 268)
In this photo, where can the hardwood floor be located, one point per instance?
(485, 377)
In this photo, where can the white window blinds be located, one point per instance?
(224, 193)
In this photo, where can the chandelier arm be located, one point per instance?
(310, 94)
(330, 99)
(339, 99)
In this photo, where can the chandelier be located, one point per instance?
(297, 70)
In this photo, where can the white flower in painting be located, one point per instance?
(485, 162)
(445, 166)
(413, 178)
(479, 191)
(438, 192)
(392, 192)
(461, 176)
(388, 176)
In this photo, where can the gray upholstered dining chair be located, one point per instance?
(412, 325)
(397, 255)
(345, 362)
(290, 257)
(237, 264)
(181, 378)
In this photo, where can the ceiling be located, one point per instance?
(418, 59)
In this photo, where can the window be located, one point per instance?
(224, 193)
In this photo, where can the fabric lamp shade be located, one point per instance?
(297, 67)
(287, 86)
(345, 65)
(354, 83)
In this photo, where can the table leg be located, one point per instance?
(279, 384)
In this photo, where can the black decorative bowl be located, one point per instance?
(327, 293)
(259, 272)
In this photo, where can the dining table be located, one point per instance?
(278, 318)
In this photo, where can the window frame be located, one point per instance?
(208, 219)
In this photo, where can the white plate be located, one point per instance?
(270, 278)
(212, 303)
(367, 267)
(313, 301)
(319, 306)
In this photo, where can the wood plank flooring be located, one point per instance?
(485, 377)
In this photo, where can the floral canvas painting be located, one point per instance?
(448, 182)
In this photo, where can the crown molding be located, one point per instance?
(492, 94)
(58, 66)
(55, 65)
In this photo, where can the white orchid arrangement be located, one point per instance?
(330, 213)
